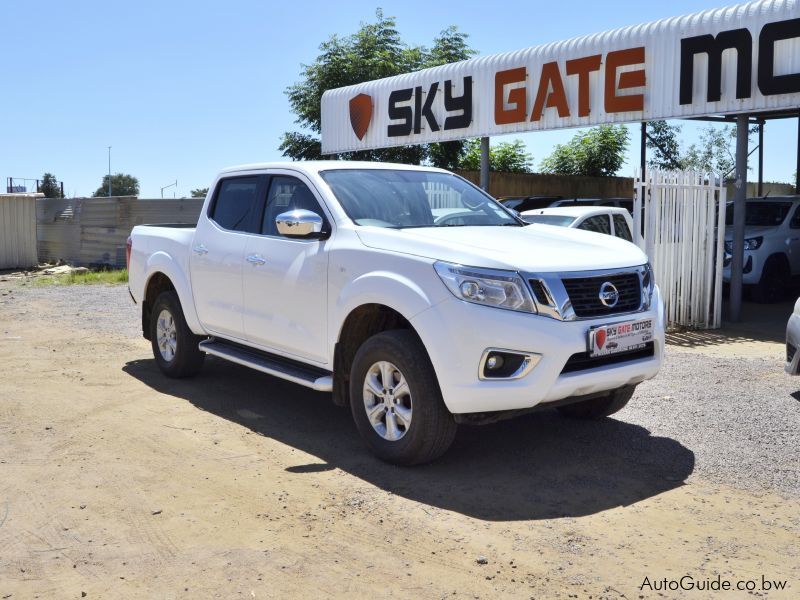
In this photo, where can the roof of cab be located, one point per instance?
(577, 211)
(315, 166)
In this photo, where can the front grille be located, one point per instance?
(582, 361)
(539, 293)
(790, 350)
(584, 294)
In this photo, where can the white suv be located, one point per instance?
(771, 245)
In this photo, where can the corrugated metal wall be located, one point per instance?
(17, 230)
(92, 231)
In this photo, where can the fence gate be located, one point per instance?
(679, 222)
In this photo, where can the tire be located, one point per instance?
(597, 408)
(774, 281)
(423, 427)
(175, 347)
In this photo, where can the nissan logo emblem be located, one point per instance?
(609, 296)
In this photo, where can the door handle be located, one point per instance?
(200, 249)
(255, 259)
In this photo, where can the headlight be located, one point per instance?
(490, 287)
(753, 243)
(648, 284)
(749, 244)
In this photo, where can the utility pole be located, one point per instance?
(109, 171)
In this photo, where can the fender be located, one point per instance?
(397, 292)
(162, 262)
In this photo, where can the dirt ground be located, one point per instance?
(116, 482)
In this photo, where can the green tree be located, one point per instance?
(375, 51)
(121, 185)
(716, 151)
(596, 152)
(49, 186)
(505, 157)
(200, 192)
(662, 141)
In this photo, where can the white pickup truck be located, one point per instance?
(407, 292)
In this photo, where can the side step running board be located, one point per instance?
(311, 377)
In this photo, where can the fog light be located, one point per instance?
(495, 361)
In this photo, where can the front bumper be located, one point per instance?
(751, 268)
(792, 342)
(457, 333)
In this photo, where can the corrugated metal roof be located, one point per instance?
(660, 39)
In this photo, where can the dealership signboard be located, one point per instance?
(739, 59)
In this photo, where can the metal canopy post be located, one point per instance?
(797, 168)
(485, 164)
(760, 157)
(643, 149)
(737, 260)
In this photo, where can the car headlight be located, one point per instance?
(753, 243)
(490, 287)
(749, 244)
(648, 284)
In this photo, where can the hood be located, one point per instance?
(749, 232)
(535, 248)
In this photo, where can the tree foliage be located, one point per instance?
(49, 186)
(714, 152)
(199, 192)
(375, 51)
(663, 143)
(121, 185)
(505, 157)
(596, 152)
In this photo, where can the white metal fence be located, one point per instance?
(679, 221)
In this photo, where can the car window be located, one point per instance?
(407, 198)
(598, 223)
(621, 229)
(761, 214)
(795, 222)
(286, 194)
(235, 202)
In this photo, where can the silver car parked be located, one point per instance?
(793, 341)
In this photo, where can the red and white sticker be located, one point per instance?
(620, 337)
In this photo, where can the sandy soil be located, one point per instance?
(118, 483)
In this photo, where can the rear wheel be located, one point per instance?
(597, 408)
(396, 402)
(774, 281)
(175, 347)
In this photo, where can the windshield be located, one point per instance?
(400, 199)
(761, 214)
(560, 220)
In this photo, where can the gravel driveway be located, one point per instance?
(738, 415)
(116, 481)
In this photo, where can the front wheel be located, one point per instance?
(774, 280)
(597, 408)
(175, 347)
(396, 402)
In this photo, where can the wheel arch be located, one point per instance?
(162, 276)
(360, 324)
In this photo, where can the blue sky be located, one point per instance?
(182, 89)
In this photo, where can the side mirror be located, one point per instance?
(299, 223)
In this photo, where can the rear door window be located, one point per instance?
(598, 223)
(621, 229)
(236, 202)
